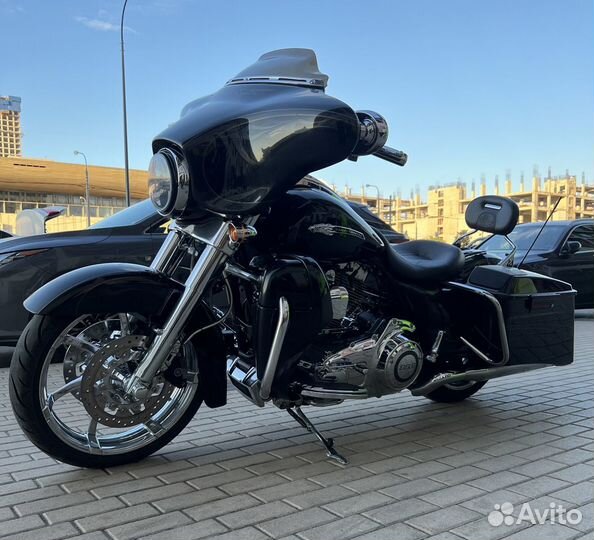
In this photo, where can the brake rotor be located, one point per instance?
(102, 388)
(76, 358)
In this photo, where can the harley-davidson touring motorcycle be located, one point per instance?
(289, 294)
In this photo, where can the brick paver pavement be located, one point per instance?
(417, 470)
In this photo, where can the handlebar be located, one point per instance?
(392, 155)
(373, 134)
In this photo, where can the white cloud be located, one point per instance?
(101, 25)
(10, 7)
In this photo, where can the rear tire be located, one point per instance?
(29, 365)
(448, 393)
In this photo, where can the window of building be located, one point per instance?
(12, 207)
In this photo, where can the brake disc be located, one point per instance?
(76, 358)
(102, 388)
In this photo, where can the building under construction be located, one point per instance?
(441, 215)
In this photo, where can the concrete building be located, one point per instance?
(36, 183)
(441, 214)
(10, 126)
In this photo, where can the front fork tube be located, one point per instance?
(216, 251)
(168, 250)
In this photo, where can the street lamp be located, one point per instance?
(378, 198)
(87, 186)
(126, 166)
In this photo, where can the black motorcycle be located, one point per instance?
(292, 296)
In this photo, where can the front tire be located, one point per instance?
(30, 370)
(454, 393)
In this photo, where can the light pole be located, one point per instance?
(87, 186)
(377, 207)
(126, 166)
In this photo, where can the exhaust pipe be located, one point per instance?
(473, 375)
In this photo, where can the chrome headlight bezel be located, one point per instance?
(179, 185)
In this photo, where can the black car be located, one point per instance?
(564, 250)
(26, 263)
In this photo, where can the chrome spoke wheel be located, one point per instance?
(83, 400)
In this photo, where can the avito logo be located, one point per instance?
(555, 513)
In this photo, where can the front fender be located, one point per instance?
(105, 288)
(132, 288)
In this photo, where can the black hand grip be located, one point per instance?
(392, 155)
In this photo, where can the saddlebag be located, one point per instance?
(538, 312)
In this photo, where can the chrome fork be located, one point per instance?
(218, 247)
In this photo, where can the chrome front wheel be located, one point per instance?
(67, 390)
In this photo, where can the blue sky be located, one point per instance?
(469, 87)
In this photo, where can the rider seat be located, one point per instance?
(425, 260)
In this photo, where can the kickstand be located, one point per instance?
(305, 422)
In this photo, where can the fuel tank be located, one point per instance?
(317, 224)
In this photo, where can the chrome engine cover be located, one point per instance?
(340, 302)
(378, 365)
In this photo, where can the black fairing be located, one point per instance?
(247, 144)
(296, 224)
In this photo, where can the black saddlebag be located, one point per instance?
(538, 312)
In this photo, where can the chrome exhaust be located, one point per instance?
(473, 375)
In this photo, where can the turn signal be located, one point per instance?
(238, 234)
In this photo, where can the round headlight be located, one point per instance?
(168, 183)
(161, 182)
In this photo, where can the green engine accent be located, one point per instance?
(407, 326)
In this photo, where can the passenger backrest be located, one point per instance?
(492, 214)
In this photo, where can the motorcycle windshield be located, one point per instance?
(285, 66)
(255, 138)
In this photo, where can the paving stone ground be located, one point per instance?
(417, 470)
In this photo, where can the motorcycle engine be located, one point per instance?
(376, 356)
(380, 364)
